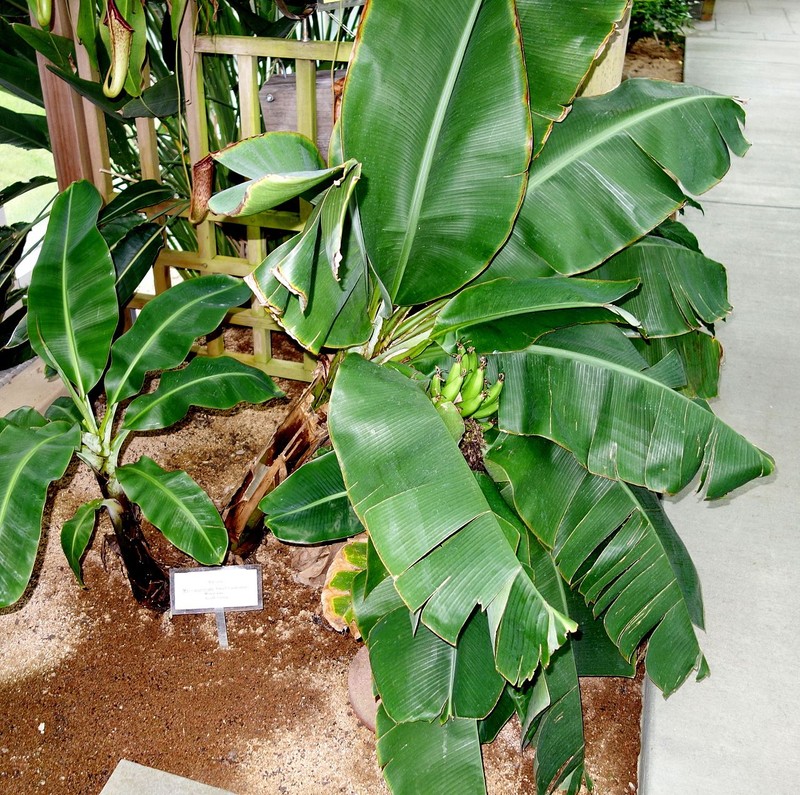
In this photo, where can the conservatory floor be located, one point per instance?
(738, 733)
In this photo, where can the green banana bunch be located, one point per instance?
(465, 386)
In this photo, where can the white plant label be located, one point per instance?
(206, 590)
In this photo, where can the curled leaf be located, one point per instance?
(202, 187)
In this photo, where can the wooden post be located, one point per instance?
(65, 114)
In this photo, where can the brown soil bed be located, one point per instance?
(87, 677)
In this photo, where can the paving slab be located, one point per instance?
(130, 778)
(738, 733)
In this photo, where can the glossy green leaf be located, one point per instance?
(91, 90)
(20, 77)
(620, 421)
(76, 534)
(72, 306)
(677, 233)
(561, 39)
(681, 290)
(444, 758)
(217, 383)
(700, 353)
(64, 409)
(511, 314)
(615, 542)
(134, 256)
(420, 677)
(135, 197)
(30, 459)
(57, 49)
(25, 417)
(311, 505)
(177, 10)
(19, 188)
(278, 165)
(159, 100)
(23, 130)
(444, 176)
(448, 555)
(178, 507)
(86, 29)
(165, 329)
(607, 173)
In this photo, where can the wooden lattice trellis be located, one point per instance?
(80, 148)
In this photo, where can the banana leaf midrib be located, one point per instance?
(65, 308)
(306, 506)
(421, 185)
(539, 176)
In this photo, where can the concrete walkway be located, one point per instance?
(738, 732)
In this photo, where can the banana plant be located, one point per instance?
(517, 352)
(75, 298)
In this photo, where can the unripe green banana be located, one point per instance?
(486, 409)
(471, 360)
(452, 384)
(495, 389)
(473, 383)
(436, 383)
(468, 407)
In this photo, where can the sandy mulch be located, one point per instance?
(649, 57)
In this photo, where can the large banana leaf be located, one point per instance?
(311, 505)
(178, 507)
(700, 353)
(444, 758)
(588, 390)
(30, 459)
(607, 173)
(561, 40)
(614, 540)
(72, 305)
(681, 289)
(510, 314)
(166, 328)
(278, 165)
(421, 677)
(217, 383)
(444, 178)
(429, 521)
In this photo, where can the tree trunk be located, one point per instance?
(149, 582)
